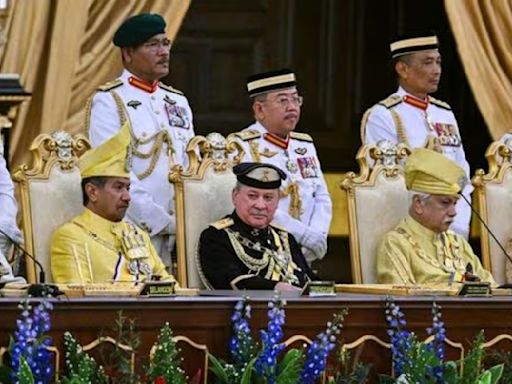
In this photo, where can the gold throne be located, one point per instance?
(49, 193)
(493, 191)
(377, 200)
(203, 196)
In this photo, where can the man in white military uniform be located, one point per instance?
(413, 117)
(305, 207)
(9, 231)
(160, 120)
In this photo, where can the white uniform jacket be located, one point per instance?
(402, 118)
(159, 117)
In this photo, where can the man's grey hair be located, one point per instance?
(423, 196)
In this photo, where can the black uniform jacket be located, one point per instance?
(223, 268)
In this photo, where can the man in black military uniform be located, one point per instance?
(243, 251)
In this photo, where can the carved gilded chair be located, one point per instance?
(49, 193)
(203, 196)
(377, 200)
(493, 191)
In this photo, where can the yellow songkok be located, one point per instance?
(111, 158)
(430, 172)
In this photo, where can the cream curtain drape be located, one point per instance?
(63, 50)
(483, 30)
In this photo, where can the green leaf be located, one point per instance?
(289, 369)
(25, 374)
(217, 369)
(496, 373)
(246, 378)
(485, 378)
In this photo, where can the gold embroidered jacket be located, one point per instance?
(413, 254)
(89, 249)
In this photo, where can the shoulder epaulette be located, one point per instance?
(251, 134)
(223, 223)
(110, 85)
(440, 103)
(301, 136)
(169, 88)
(390, 101)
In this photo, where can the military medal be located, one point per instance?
(290, 164)
(308, 167)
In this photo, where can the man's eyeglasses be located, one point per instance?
(284, 101)
(155, 45)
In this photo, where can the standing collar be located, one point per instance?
(138, 83)
(248, 231)
(420, 230)
(98, 223)
(413, 100)
(276, 140)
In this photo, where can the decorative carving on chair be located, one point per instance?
(382, 157)
(499, 159)
(59, 147)
(202, 151)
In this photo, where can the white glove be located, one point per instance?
(316, 244)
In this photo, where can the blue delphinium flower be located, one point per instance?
(266, 363)
(30, 342)
(438, 344)
(400, 338)
(318, 351)
(241, 344)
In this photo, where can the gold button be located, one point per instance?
(144, 134)
(157, 112)
(153, 97)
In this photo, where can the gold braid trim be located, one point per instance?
(87, 115)
(400, 130)
(448, 250)
(250, 262)
(158, 138)
(362, 128)
(295, 206)
(255, 151)
(120, 107)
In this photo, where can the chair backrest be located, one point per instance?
(377, 200)
(493, 192)
(203, 196)
(49, 193)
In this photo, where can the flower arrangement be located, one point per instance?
(80, 367)
(415, 361)
(164, 367)
(31, 361)
(259, 362)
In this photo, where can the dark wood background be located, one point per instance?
(339, 51)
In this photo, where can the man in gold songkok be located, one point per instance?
(421, 249)
(99, 246)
